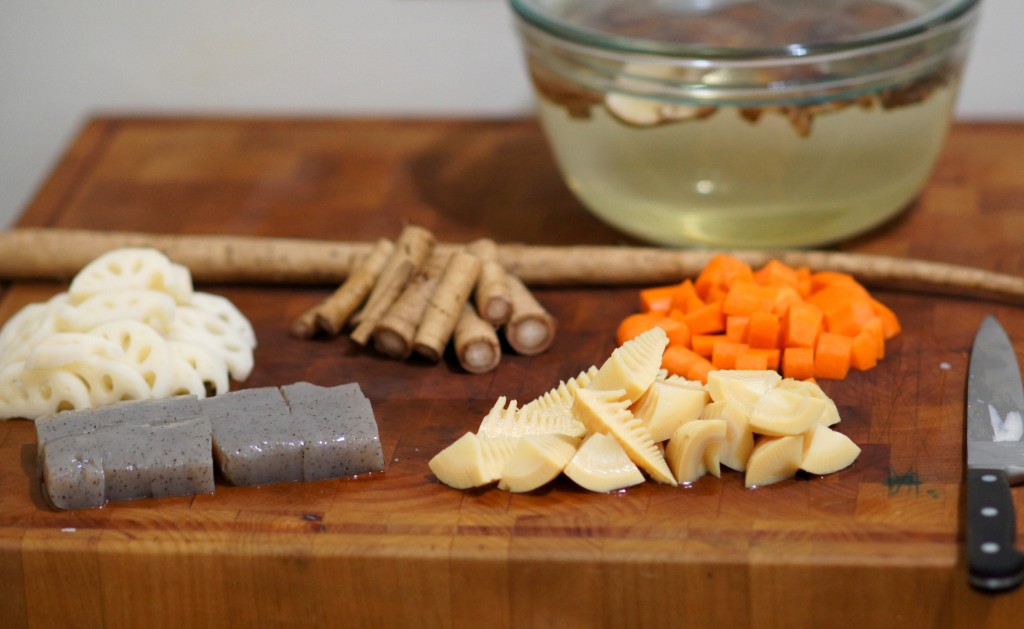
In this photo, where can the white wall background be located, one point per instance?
(62, 60)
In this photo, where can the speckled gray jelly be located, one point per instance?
(339, 429)
(253, 440)
(130, 450)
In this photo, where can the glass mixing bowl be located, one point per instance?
(740, 123)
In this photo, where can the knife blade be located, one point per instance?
(995, 459)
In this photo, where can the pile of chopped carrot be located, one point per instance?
(801, 323)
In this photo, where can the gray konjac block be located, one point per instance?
(130, 450)
(254, 441)
(133, 412)
(73, 473)
(339, 428)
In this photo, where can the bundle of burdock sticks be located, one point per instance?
(409, 296)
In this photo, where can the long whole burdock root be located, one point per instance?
(57, 254)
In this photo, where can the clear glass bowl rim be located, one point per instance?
(938, 17)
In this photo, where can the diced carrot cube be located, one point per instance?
(802, 325)
(745, 298)
(636, 324)
(707, 319)
(890, 322)
(847, 317)
(751, 361)
(776, 273)
(863, 351)
(677, 359)
(771, 356)
(657, 298)
(736, 328)
(704, 344)
(685, 298)
(721, 272)
(874, 328)
(832, 356)
(764, 330)
(724, 354)
(798, 362)
(699, 370)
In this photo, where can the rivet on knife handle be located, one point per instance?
(993, 562)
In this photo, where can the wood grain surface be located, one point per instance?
(877, 545)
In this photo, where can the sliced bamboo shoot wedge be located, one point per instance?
(687, 451)
(600, 464)
(536, 461)
(669, 404)
(782, 412)
(739, 438)
(808, 387)
(608, 412)
(633, 366)
(741, 386)
(506, 419)
(472, 460)
(774, 459)
(827, 451)
(562, 396)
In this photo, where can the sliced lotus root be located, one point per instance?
(195, 325)
(139, 268)
(153, 308)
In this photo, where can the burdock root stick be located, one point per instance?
(331, 314)
(414, 244)
(531, 329)
(492, 296)
(389, 290)
(393, 334)
(476, 343)
(445, 305)
(29, 253)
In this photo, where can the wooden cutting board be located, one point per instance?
(879, 544)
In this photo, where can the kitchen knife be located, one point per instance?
(995, 459)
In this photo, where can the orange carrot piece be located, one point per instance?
(707, 319)
(704, 344)
(657, 298)
(721, 271)
(832, 356)
(676, 359)
(764, 330)
(848, 316)
(736, 328)
(801, 325)
(777, 273)
(874, 328)
(699, 370)
(636, 324)
(785, 297)
(752, 361)
(685, 298)
(677, 330)
(833, 295)
(724, 354)
(798, 363)
(863, 351)
(890, 322)
(746, 297)
(821, 279)
(771, 356)
(803, 281)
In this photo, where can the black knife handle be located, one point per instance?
(993, 562)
